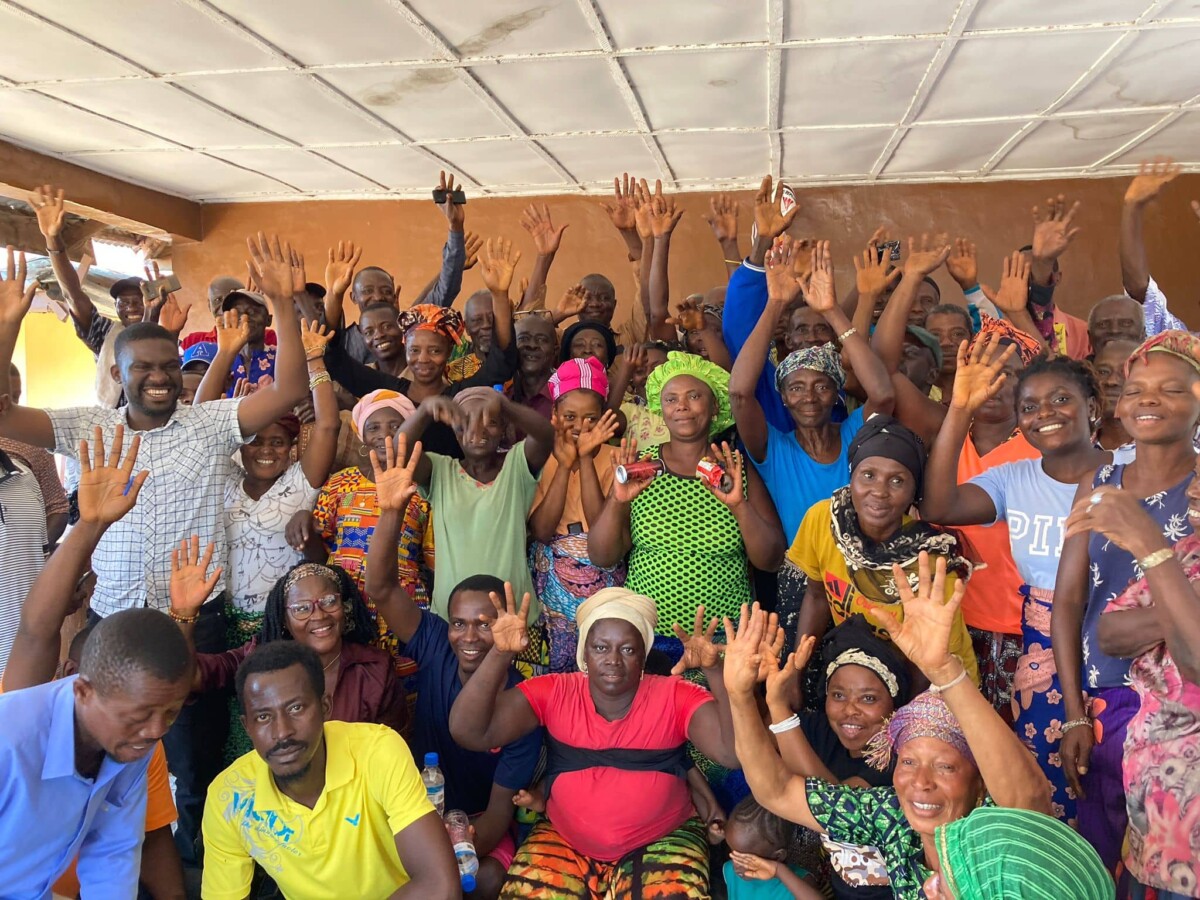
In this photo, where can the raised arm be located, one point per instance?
(711, 727)
(1010, 772)
(487, 715)
(979, 377)
(888, 339)
(339, 272)
(664, 216)
(622, 214)
(454, 254)
(496, 266)
(1053, 231)
(318, 456)
(1151, 178)
(757, 519)
(1012, 298)
(107, 491)
(432, 409)
(722, 218)
(394, 488)
(233, 331)
(609, 538)
(782, 682)
(20, 423)
(47, 202)
(546, 240)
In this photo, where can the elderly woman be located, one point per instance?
(315, 605)
(1163, 737)
(953, 752)
(620, 818)
(1001, 853)
(849, 545)
(690, 542)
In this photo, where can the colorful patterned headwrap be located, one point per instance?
(998, 852)
(824, 359)
(1028, 347)
(926, 716)
(579, 374)
(305, 570)
(1181, 344)
(375, 401)
(710, 373)
(440, 320)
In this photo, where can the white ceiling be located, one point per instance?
(292, 99)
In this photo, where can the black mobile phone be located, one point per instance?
(439, 196)
(892, 246)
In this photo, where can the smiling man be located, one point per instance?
(74, 755)
(328, 809)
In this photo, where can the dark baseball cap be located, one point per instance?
(122, 285)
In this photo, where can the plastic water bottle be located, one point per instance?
(459, 827)
(435, 783)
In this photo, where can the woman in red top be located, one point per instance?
(620, 816)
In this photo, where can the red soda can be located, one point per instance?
(714, 476)
(641, 470)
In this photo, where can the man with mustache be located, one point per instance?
(317, 800)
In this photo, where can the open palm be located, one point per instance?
(509, 631)
(108, 489)
(396, 484)
(923, 634)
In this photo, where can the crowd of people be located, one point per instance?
(763, 593)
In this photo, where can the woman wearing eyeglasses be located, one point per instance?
(316, 605)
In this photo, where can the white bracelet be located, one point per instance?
(786, 725)
(939, 688)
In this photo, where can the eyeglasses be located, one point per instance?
(305, 608)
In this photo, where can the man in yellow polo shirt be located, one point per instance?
(328, 809)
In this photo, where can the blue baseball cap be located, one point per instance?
(202, 352)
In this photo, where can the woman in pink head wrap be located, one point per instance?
(347, 510)
(570, 494)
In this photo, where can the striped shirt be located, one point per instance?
(22, 537)
(189, 460)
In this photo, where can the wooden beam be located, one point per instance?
(99, 197)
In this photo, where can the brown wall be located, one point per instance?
(405, 237)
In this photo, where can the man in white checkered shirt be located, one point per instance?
(187, 451)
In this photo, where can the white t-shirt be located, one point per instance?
(259, 553)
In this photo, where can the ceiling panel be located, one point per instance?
(255, 99)
(706, 90)
(1035, 70)
(317, 32)
(558, 95)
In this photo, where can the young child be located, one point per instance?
(570, 494)
(758, 842)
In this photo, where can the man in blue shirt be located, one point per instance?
(74, 754)
(448, 654)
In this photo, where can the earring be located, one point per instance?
(363, 451)
(583, 668)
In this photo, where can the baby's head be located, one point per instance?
(757, 831)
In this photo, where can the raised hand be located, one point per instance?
(233, 332)
(1052, 231)
(690, 314)
(643, 210)
(874, 273)
(743, 650)
(572, 303)
(622, 210)
(299, 278)
(819, 293)
(47, 203)
(771, 647)
(663, 214)
(925, 257)
(271, 263)
(722, 217)
(497, 265)
(108, 488)
(442, 409)
(783, 284)
(963, 264)
(731, 461)
(699, 651)
(339, 269)
(601, 433)
(15, 297)
(472, 244)
(537, 222)
(769, 217)
(566, 449)
(191, 584)
(315, 337)
(455, 213)
(980, 373)
(627, 453)
(782, 679)
(509, 633)
(173, 316)
(924, 634)
(396, 484)
(1152, 177)
(1013, 295)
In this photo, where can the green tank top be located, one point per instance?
(687, 551)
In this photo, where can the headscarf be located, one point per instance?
(926, 716)
(474, 395)
(1028, 347)
(615, 603)
(853, 643)
(579, 374)
(996, 852)
(882, 435)
(824, 359)
(305, 570)
(710, 373)
(440, 320)
(1180, 344)
(375, 401)
(931, 343)
(610, 340)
